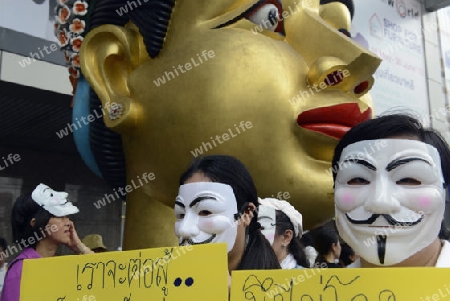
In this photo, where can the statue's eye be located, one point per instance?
(268, 16)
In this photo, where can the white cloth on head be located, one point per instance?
(289, 262)
(294, 216)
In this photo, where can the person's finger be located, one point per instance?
(72, 228)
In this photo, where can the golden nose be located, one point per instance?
(334, 74)
(334, 59)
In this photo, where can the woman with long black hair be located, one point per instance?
(40, 224)
(217, 202)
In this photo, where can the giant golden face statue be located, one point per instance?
(230, 79)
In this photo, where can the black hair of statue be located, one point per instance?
(152, 18)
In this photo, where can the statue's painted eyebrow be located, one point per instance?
(362, 162)
(234, 20)
(396, 163)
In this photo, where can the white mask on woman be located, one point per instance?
(389, 198)
(205, 213)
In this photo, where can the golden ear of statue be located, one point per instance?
(108, 55)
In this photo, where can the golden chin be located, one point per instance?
(241, 91)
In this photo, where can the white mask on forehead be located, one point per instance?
(53, 201)
(205, 214)
(399, 178)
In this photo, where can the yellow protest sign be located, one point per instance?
(182, 273)
(376, 284)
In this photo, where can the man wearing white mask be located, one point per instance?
(390, 176)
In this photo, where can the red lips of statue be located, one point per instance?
(333, 121)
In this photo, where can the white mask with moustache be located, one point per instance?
(389, 198)
(205, 213)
